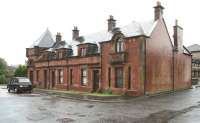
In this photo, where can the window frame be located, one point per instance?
(119, 45)
(83, 51)
(60, 76)
(129, 78)
(71, 76)
(109, 77)
(37, 75)
(119, 80)
(84, 74)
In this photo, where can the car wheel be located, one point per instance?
(9, 90)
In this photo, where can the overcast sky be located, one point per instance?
(23, 21)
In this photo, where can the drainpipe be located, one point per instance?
(173, 58)
(48, 75)
(145, 67)
(191, 70)
(100, 81)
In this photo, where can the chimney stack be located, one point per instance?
(75, 33)
(158, 11)
(111, 23)
(178, 37)
(58, 37)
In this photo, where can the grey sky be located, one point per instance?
(23, 21)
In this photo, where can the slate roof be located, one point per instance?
(45, 40)
(186, 51)
(132, 29)
(193, 48)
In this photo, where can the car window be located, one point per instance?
(11, 81)
(14, 81)
(24, 80)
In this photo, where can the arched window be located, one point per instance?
(120, 45)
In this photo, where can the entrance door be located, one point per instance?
(53, 79)
(95, 80)
(31, 76)
(45, 78)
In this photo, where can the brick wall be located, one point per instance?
(159, 62)
(182, 71)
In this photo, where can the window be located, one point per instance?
(83, 51)
(37, 75)
(198, 73)
(109, 77)
(71, 76)
(31, 76)
(192, 73)
(24, 80)
(193, 64)
(129, 77)
(83, 77)
(69, 52)
(119, 77)
(60, 76)
(60, 55)
(120, 45)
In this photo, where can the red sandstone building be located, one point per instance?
(139, 58)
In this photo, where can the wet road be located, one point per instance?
(181, 107)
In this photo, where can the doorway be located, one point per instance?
(53, 79)
(95, 80)
(45, 78)
(31, 76)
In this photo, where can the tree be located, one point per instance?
(3, 71)
(21, 71)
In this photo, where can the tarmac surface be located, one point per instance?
(37, 107)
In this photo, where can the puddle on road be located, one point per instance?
(159, 117)
(65, 120)
(90, 106)
(39, 116)
(115, 119)
(29, 95)
(51, 99)
(82, 115)
(42, 108)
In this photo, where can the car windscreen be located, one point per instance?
(24, 80)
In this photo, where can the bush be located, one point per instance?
(21, 71)
(3, 79)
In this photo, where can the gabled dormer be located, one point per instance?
(87, 49)
(118, 52)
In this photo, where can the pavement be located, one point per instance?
(39, 107)
(84, 96)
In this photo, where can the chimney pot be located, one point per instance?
(158, 3)
(111, 23)
(58, 37)
(158, 11)
(176, 22)
(178, 37)
(75, 33)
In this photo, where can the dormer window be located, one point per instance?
(83, 51)
(60, 56)
(120, 45)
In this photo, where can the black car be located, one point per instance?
(19, 84)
